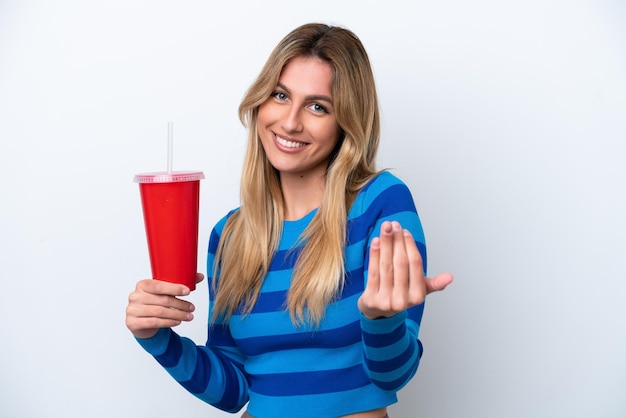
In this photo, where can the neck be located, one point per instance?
(301, 194)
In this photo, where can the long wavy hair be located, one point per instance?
(251, 235)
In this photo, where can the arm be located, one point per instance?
(208, 373)
(213, 372)
(393, 300)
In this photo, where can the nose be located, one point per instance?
(292, 120)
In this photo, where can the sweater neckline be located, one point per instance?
(299, 223)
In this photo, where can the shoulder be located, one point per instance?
(219, 226)
(384, 182)
(384, 178)
(216, 233)
(385, 198)
(385, 189)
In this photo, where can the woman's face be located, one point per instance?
(297, 123)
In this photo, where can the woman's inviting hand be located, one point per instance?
(396, 279)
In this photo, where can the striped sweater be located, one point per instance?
(347, 364)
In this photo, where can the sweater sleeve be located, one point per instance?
(392, 350)
(212, 372)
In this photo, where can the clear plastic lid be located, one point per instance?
(165, 177)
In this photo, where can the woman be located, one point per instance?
(317, 280)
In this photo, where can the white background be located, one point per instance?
(506, 119)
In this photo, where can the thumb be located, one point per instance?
(438, 283)
(199, 277)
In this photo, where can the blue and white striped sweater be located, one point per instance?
(345, 365)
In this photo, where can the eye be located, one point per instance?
(318, 108)
(280, 96)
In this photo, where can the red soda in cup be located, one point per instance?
(171, 203)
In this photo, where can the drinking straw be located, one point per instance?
(170, 146)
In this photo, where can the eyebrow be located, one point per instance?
(309, 98)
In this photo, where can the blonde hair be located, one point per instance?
(251, 235)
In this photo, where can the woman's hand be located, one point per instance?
(155, 304)
(396, 279)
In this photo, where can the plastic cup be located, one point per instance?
(171, 203)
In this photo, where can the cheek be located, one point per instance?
(263, 138)
(262, 115)
(264, 119)
(332, 135)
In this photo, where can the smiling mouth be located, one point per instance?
(289, 144)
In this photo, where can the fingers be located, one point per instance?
(417, 285)
(160, 287)
(421, 286)
(199, 277)
(388, 268)
(155, 304)
(400, 280)
(373, 276)
(148, 304)
(396, 279)
(387, 290)
(386, 260)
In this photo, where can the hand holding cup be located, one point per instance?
(156, 304)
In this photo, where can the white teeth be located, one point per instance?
(289, 144)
